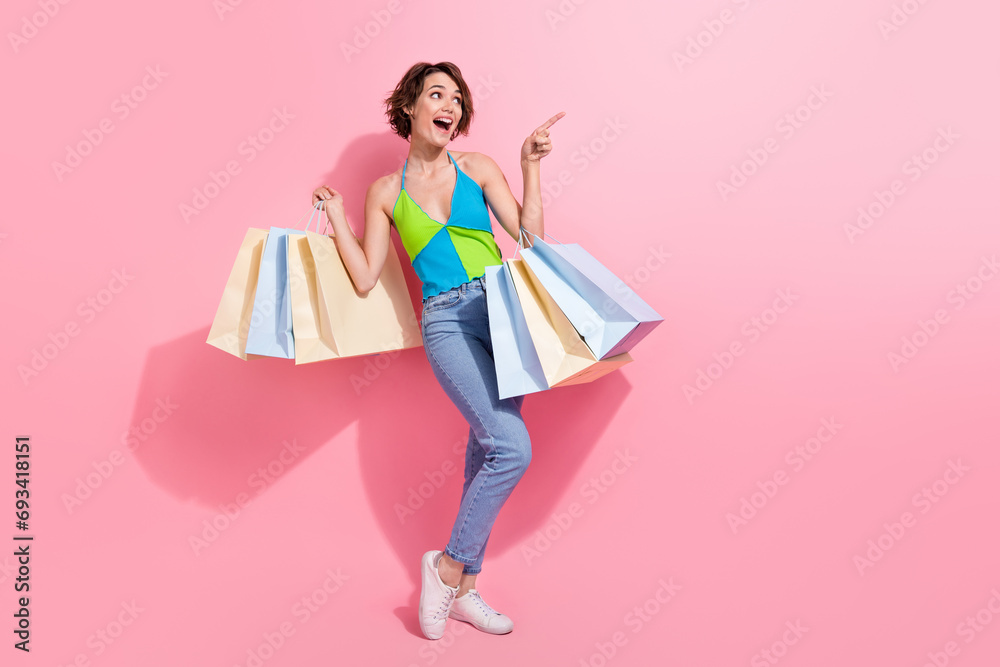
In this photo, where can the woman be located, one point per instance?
(429, 107)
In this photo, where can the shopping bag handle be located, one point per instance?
(522, 232)
(317, 207)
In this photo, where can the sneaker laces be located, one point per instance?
(481, 603)
(442, 610)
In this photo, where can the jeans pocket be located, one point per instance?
(442, 301)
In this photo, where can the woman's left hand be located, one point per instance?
(538, 144)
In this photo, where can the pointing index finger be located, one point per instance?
(551, 121)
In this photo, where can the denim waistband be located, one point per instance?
(474, 284)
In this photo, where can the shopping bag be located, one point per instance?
(330, 318)
(270, 331)
(607, 313)
(518, 368)
(232, 318)
(564, 356)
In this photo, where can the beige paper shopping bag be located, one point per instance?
(232, 319)
(565, 357)
(331, 319)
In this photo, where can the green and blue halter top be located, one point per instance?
(446, 255)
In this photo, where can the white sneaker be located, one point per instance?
(436, 598)
(471, 608)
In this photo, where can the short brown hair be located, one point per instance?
(412, 84)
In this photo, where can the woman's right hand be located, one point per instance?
(332, 200)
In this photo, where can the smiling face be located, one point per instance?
(437, 111)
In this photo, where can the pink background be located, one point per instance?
(649, 564)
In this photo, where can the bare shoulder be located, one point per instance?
(384, 184)
(383, 191)
(479, 166)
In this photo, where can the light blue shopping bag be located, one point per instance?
(270, 331)
(519, 370)
(607, 313)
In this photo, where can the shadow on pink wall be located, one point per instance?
(236, 416)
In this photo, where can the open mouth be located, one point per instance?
(443, 124)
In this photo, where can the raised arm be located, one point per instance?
(363, 259)
(511, 215)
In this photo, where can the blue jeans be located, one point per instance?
(456, 334)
